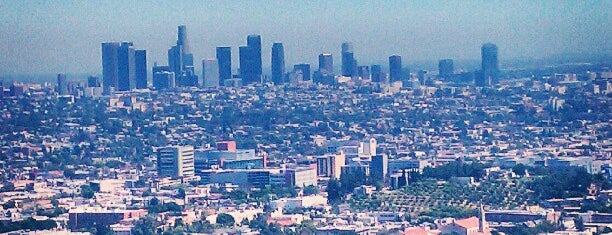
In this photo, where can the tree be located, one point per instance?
(519, 169)
(10, 204)
(145, 226)
(333, 191)
(311, 190)
(579, 223)
(87, 191)
(225, 220)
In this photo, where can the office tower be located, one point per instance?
(182, 39)
(348, 59)
(490, 65)
(254, 42)
(250, 60)
(93, 81)
(278, 63)
(62, 87)
(445, 68)
(305, 68)
(210, 72)
(175, 59)
(126, 66)
(224, 59)
(379, 166)
(109, 66)
(377, 74)
(395, 68)
(164, 80)
(326, 63)
(181, 61)
(141, 69)
(175, 161)
(364, 72)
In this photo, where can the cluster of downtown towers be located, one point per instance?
(125, 68)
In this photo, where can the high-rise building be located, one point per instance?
(490, 65)
(110, 73)
(326, 63)
(62, 86)
(395, 68)
(305, 68)
(348, 60)
(181, 61)
(278, 63)
(445, 68)
(175, 59)
(210, 72)
(141, 69)
(93, 81)
(250, 60)
(224, 59)
(126, 66)
(175, 161)
(377, 74)
(182, 39)
(364, 72)
(379, 166)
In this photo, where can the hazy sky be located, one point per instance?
(65, 36)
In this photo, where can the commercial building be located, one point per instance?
(330, 165)
(175, 161)
(278, 63)
(210, 73)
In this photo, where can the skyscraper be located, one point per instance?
(445, 68)
(62, 86)
(210, 72)
(377, 74)
(305, 68)
(278, 63)
(141, 69)
(490, 65)
(348, 60)
(364, 72)
(109, 66)
(175, 161)
(250, 60)
(126, 66)
(395, 68)
(224, 59)
(181, 61)
(182, 39)
(175, 59)
(326, 63)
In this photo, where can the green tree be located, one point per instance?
(311, 190)
(519, 169)
(225, 220)
(333, 191)
(87, 191)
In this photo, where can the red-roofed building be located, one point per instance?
(469, 226)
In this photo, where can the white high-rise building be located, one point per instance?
(210, 72)
(175, 161)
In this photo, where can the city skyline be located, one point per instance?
(425, 31)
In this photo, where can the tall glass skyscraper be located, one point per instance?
(490, 65)
(250, 60)
(348, 60)
(224, 58)
(141, 69)
(109, 66)
(126, 66)
(326, 63)
(395, 68)
(278, 63)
